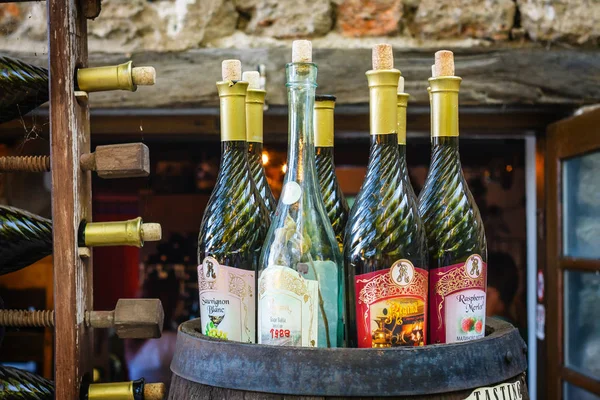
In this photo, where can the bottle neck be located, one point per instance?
(402, 103)
(323, 120)
(383, 85)
(301, 84)
(255, 101)
(255, 149)
(232, 95)
(116, 233)
(444, 106)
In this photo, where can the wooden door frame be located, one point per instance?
(568, 138)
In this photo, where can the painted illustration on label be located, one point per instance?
(226, 301)
(391, 306)
(457, 308)
(288, 308)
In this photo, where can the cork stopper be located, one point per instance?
(253, 79)
(301, 51)
(383, 57)
(401, 85)
(151, 232)
(231, 70)
(444, 63)
(143, 76)
(154, 391)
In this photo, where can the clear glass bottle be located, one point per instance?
(333, 197)
(385, 249)
(300, 284)
(233, 228)
(455, 233)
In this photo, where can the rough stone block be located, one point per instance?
(369, 17)
(574, 21)
(286, 18)
(489, 19)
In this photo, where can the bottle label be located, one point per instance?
(457, 303)
(391, 306)
(227, 305)
(288, 308)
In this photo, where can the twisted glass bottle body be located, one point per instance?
(232, 231)
(255, 150)
(385, 248)
(333, 197)
(455, 233)
(300, 286)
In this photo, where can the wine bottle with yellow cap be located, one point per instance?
(300, 284)
(255, 102)
(27, 238)
(24, 385)
(385, 249)
(233, 226)
(333, 197)
(455, 232)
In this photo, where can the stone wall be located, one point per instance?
(178, 25)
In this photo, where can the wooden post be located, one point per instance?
(71, 195)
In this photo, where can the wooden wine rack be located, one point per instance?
(71, 192)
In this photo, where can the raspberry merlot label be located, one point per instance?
(226, 301)
(457, 302)
(391, 306)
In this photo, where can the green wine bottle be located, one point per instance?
(385, 250)
(23, 87)
(255, 102)
(233, 227)
(455, 232)
(335, 202)
(26, 238)
(16, 384)
(300, 284)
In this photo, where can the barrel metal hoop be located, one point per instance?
(399, 371)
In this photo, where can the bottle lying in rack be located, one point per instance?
(455, 232)
(26, 238)
(234, 226)
(300, 284)
(24, 87)
(333, 198)
(385, 250)
(255, 102)
(23, 385)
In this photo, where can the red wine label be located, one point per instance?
(391, 306)
(227, 307)
(457, 302)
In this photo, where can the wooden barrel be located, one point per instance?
(490, 368)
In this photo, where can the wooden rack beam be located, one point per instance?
(71, 195)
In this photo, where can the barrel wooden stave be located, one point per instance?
(205, 367)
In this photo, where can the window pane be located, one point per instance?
(581, 202)
(582, 322)
(572, 392)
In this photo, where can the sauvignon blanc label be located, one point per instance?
(457, 302)
(227, 305)
(288, 308)
(391, 306)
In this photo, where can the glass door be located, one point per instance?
(573, 258)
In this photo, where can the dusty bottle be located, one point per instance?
(300, 286)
